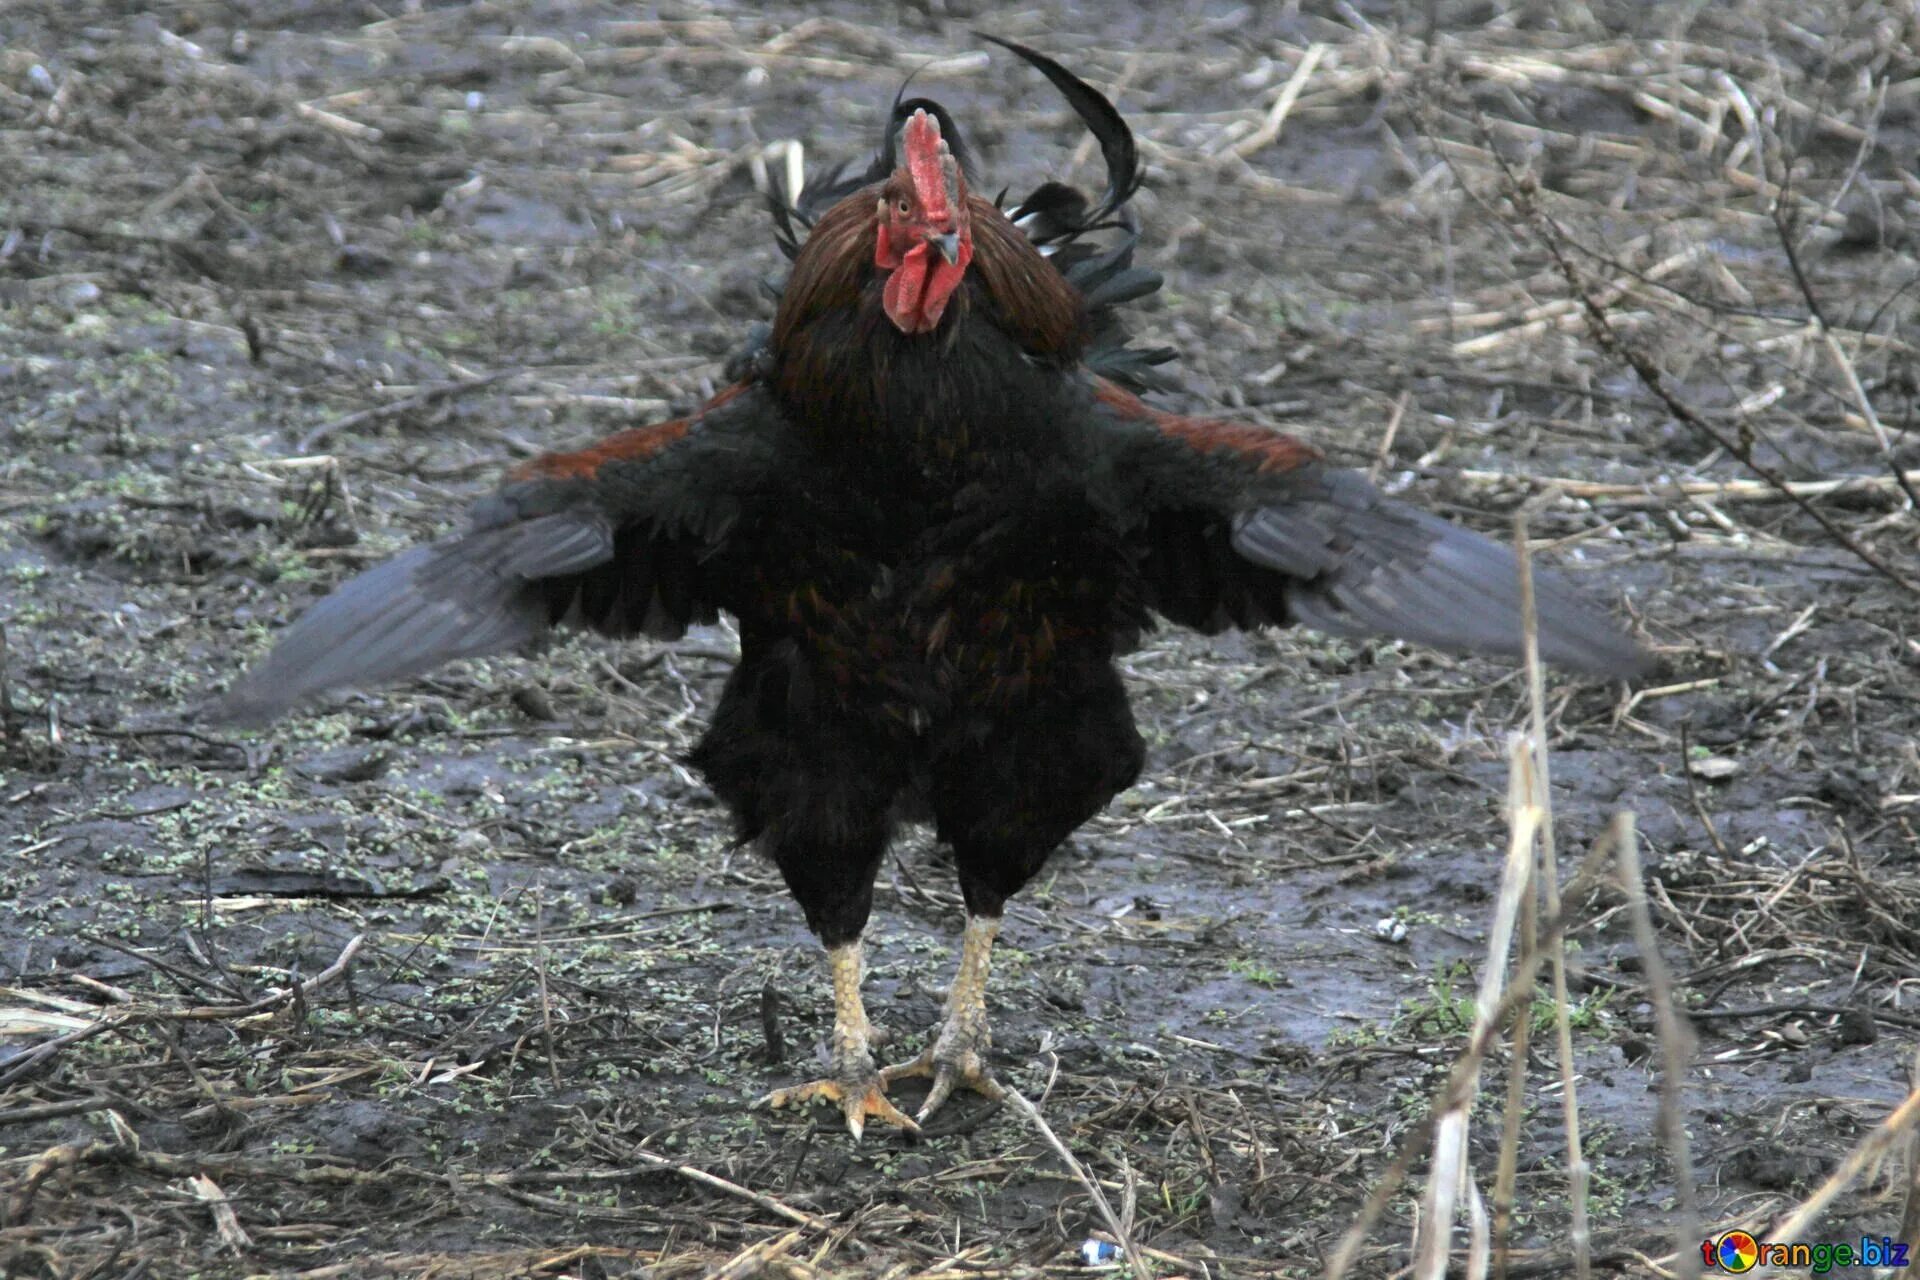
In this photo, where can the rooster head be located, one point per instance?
(924, 243)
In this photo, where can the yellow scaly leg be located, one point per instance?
(853, 1083)
(958, 1055)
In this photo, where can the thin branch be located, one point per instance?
(418, 400)
(1783, 227)
(1135, 1263)
(691, 1173)
(43, 1052)
(1676, 1048)
(1522, 188)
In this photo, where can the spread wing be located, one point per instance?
(1239, 526)
(615, 537)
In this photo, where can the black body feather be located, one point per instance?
(934, 545)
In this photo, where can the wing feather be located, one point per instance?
(460, 597)
(1238, 525)
(1359, 563)
(611, 537)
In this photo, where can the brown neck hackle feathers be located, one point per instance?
(1028, 297)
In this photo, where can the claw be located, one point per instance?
(958, 1054)
(968, 1068)
(858, 1103)
(852, 1083)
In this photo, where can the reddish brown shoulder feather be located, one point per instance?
(633, 445)
(1270, 451)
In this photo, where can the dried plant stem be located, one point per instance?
(1665, 494)
(1135, 1263)
(1609, 338)
(398, 408)
(1676, 1049)
(1450, 1132)
(1542, 800)
(1515, 1105)
(756, 1259)
(1466, 1067)
(1276, 120)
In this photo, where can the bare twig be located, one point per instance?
(41, 1053)
(714, 1182)
(1609, 338)
(418, 400)
(1676, 1048)
(1790, 246)
(1135, 1263)
(268, 1003)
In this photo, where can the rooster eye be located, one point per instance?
(902, 207)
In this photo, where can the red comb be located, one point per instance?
(926, 155)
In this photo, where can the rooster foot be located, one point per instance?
(949, 1062)
(851, 1081)
(958, 1054)
(859, 1100)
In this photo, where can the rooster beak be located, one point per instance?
(948, 245)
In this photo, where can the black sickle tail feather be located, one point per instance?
(1360, 564)
(1108, 281)
(1053, 218)
(1109, 129)
(1056, 216)
(464, 596)
(1053, 212)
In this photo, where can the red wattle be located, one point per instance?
(905, 290)
(919, 289)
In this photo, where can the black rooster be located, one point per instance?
(937, 511)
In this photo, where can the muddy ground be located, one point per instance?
(284, 285)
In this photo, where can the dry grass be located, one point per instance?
(1649, 276)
